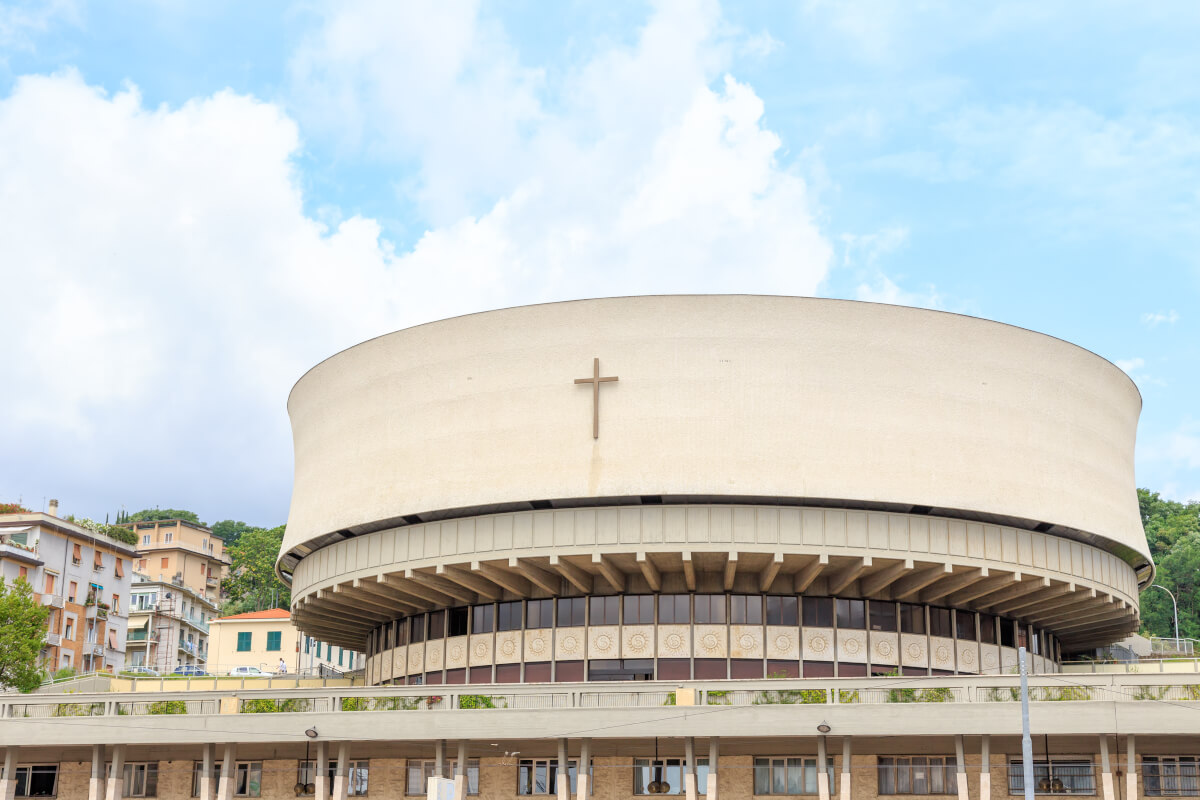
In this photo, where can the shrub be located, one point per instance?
(481, 701)
(167, 707)
(66, 673)
(718, 698)
(791, 697)
(670, 701)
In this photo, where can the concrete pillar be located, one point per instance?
(8, 782)
(341, 778)
(583, 782)
(1131, 778)
(689, 768)
(207, 757)
(1106, 776)
(228, 767)
(439, 767)
(116, 774)
(822, 774)
(844, 788)
(460, 773)
(960, 760)
(714, 754)
(985, 768)
(96, 782)
(321, 768)
(562, 784)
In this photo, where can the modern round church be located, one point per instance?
(710, 487)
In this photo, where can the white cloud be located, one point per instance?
(173, 288)
(21, 21)
(1130, 365)
(1152, 319)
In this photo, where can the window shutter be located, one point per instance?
(120, 568)
(77, 553)
(99, 559)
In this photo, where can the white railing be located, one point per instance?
(1161, 646)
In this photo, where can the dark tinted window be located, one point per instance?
(437, 624)
(939, 622)
(783, 611)
(710, 609)
(458, 621)
(539, 614)
(639, 609)
(987, 629)
(1007, 637)
(912, 618)
(508, 616)
(604, 610)
(572, 612)
(851, 614)
(883, 616)
(401, 637)
(818, 612)
(416, 629)
(746, 609)
(674, 609)
(483, 619)
(964, 625)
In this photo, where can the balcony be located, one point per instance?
(95, 649)
(96, 611)
(53, 639)
(212, 582)
(52, 600)
(140, 635)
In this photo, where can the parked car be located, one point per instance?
(190, 670)
(248, 672)
(139, 671)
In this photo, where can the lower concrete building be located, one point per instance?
(168, 625)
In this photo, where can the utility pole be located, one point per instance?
(1174, 605)
(1026, 739)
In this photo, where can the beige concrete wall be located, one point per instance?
(724, 396)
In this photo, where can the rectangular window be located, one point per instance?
(987, 629)
(939, 622)
(539, 614)
(1171, 776)
(788, 776)
(783, 611)
(918, 775)
(540, 776)
(883, 616)
(145, 538)
(437, 625)
(308, 644)
(483, 618)
(604, 610)
(851, 614)
(1007, 634)
(165, 563)
(306, 773)
(669, 771)
(416, 629)
(243, 645)
(247, 779)
(141, 780)
(674, 609)
(73, 593)
(399, 634)
(639, 609)
(572, 612)
(964, 625)
(456, 621)
(198, 770)
(40, 780)
(419, 773)
(710, 609)
(508, 616)
(1057, 776)
(746, 609)
(818, 612)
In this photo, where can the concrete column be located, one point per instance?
(583, 782)
(1131, 778)
(985, 768)
(321, 768)
(96, 783)
(844, 788)
(1106, 776)
(116, 774)
(439, 767)
(341, 778)
(8, 782)
(714, 753)
(228, 767)
(689, 768)
(207, 758)
(960, 760)
(562, 784)
(822, 775)
(460, 773)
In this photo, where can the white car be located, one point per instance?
(248, 672)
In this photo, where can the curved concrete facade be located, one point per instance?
(790, 407)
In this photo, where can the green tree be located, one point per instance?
(154, 514)
(231, 530)
(252, 584)
(22, 627)
(1173, 533)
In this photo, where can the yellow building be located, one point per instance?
(176, 551)
(264, 638)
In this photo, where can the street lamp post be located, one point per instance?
(1173, 604)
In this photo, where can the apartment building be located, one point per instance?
(181, 552)
(83, 577)
(168, 625)
(264, 638)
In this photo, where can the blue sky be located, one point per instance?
(199, 201)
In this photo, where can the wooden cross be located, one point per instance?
(595, 381)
